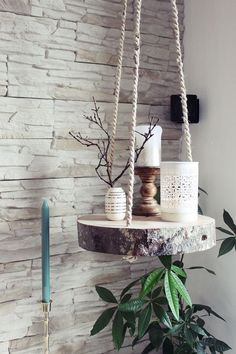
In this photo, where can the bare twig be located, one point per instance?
(147, 136)
(122, 172)
(85, 141)
(138, 151)
(103, 146)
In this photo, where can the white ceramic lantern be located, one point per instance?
(151, 154)
(179, 191)
(115, 204)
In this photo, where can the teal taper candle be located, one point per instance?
(45, 253)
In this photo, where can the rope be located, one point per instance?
(118, 84)
(134, 112)
(130, 259)
(187, 134)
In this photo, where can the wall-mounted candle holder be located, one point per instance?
(177, 112)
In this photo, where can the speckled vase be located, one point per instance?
(115, 204)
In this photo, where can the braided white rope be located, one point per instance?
(134, 111)
(130, 259)
(118, 83)
(187, 135)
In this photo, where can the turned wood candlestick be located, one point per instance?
(148, 205)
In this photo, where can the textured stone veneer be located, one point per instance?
(54, 55)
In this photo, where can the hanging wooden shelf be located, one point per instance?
(147, 236)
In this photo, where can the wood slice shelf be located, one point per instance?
(147, 236)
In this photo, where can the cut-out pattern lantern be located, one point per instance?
(179, 191)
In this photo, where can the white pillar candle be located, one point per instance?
(151, 154)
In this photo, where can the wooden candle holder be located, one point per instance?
(148, 205)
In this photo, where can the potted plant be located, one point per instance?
(157, 308)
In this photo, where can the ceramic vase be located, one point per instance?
(179, 191)
(115, 204)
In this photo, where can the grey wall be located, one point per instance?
(54, 56)
(210, 51)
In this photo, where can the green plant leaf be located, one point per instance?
(125, 327)
(227, 245)
(142, 285)
(179, 271)
(229, 221)
(130, 286)
(135, 341)
(212, 350)
(132, 329)
(181, 288)
(188, 314)
(161, 300)
(168, 347)
(200, 267)
(217, 344)
(156, 292)
(208, 309)
(125, 298)
(151, 281)
(144, 320)
(200, 211)
(200, 349)
(131, 321)
(148, 349)
(103, 320)
(118, 331)
(221, 346)
(200, 322)
(179, 264)
(129, 317)
(176, 329)
(106, 295)
(189, 337)
(166, 261)
(162, 315)
(132, 305)
(202, 190)
(156, 335)
(225, 231)
(197, 329)
(171, 295)
(184, 349)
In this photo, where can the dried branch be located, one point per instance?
(85, 141)
(152, 125)
(147, 136)
(103, 146)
